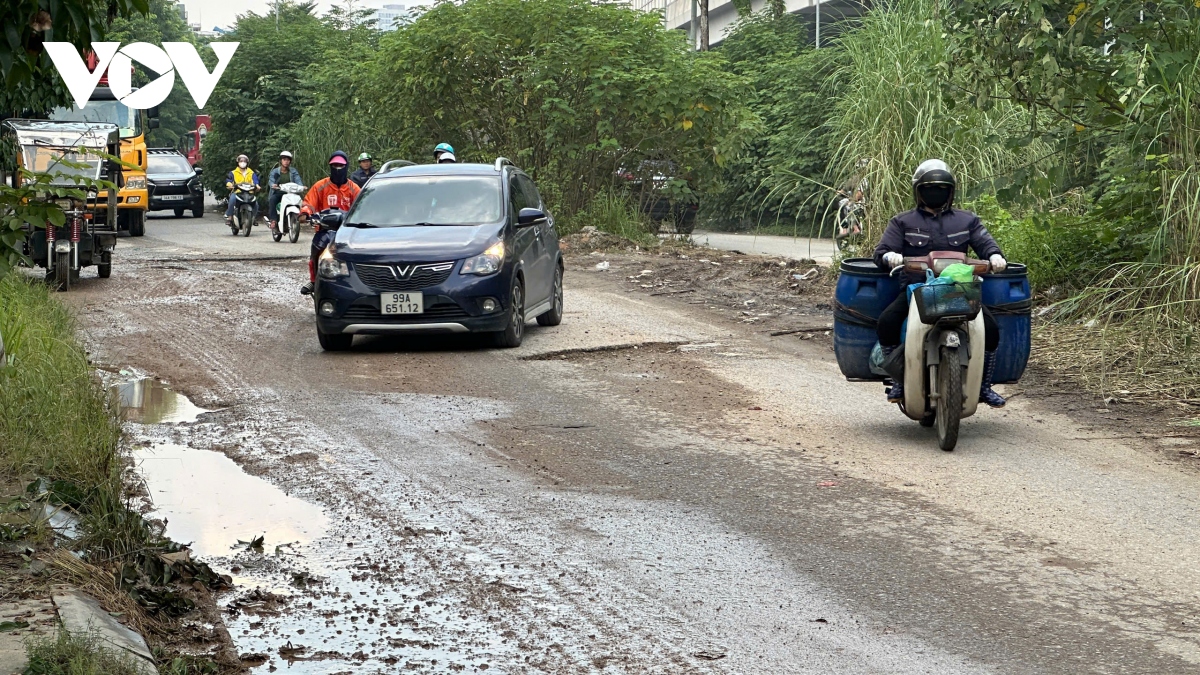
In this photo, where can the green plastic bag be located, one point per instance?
(958, 273)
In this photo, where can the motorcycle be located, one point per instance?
(326, 224)
(941, 362)
(849, 223)
(289, 212)
(244, 208)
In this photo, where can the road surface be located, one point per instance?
(649, 488)
(796, 248)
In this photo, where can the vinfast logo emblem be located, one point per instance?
(171, 58)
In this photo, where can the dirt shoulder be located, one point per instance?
(781, 296)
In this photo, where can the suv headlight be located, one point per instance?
(485, 263)
(329, 267)
(138, 183)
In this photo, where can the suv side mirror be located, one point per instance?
(198, 169)
(528, 217)
(332, 220)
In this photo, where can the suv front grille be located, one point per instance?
(441, 312)
(390, 278)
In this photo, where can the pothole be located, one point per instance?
(567, 354)
(147, 400)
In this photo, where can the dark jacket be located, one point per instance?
(916, 233)
(360, 177)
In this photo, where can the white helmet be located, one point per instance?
(285, 153)
(446, 158)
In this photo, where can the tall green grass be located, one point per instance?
(1140, 318)
(78, 655)
(56, 421)
(894, 108)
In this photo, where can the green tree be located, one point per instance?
(780, 176)
(570, 90)
(177, 114)
(30, 80)
(262, 91)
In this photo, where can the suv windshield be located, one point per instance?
(428, 200)
(113, 112)
(168, 164)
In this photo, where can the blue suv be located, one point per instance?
(452, 248)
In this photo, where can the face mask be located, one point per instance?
(337, 175)
(935, 196)
(241, 165)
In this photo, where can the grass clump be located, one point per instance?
(55, 419)
(69, 654)
(614, 214)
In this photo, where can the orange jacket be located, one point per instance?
(326, 195)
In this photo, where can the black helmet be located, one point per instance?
(933, 185)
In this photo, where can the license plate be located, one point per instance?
(402, 303)
(172, 198)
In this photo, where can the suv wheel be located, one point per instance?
(198, 210)
(334, 342)
(554, 315)
(512, 334)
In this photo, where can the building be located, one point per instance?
(824, 17)
(391, 17)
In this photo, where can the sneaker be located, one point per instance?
(307, 289)
(895, 393)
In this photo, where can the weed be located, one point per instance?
(615, 214)
(77, 655)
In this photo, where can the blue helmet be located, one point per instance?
(442, 147)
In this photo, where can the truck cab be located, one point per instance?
(133, 198)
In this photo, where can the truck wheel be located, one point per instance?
(104, 267)
(137, 224)
(334, 342)
(62, 271)
(950, 398)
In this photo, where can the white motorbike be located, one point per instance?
(289, 212)
(942, 359)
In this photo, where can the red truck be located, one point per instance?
(192, 142)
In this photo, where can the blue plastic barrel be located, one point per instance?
(863, 292)
(1007, 296)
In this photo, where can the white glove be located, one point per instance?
(895, 259)
(999, 264)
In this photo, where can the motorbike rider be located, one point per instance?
(335, 192)
(935, 225)
(283, 173)
(242, 174)
(366, 169)
(853, 194)
(442, 149)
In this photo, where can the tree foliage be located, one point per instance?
(30, 82)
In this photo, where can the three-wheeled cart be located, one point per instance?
(70, 151)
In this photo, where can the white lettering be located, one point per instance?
(163, 61)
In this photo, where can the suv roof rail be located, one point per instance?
(395, 164)
(501, 161)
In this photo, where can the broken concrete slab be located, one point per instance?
(19, 622)
(81, 614)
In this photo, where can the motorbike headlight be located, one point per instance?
(485, 263)
(329, 267)
(137, 183)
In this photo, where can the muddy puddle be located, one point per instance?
(209, 503)
(146, 400)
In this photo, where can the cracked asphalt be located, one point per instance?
(648, 488)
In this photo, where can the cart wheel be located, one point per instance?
(104, 267)
(62, 271)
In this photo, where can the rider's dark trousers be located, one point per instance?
(319, 241)
(273, 205)
(893, 316)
